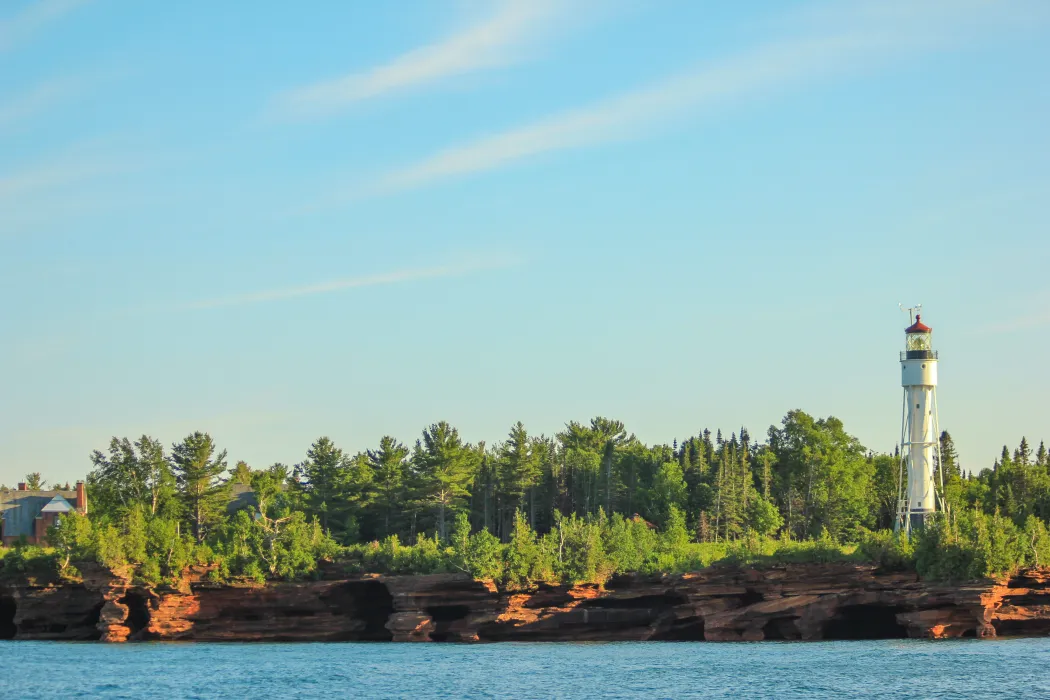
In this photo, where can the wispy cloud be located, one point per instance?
(493, 42)
(67, 184)
(1037, 319)
(36, 100)
(49, 176)
(475, 264)
(845, 43)
(22, 25)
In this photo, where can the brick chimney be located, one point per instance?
(39, 531)
(81, 502)
(22, 486)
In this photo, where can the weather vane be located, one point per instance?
(913, 311)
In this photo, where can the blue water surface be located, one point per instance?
(1015, 668)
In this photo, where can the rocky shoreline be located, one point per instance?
(800, 601)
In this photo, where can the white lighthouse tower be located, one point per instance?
(921, 489)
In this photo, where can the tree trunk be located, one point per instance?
(608, 486)
(441, 520)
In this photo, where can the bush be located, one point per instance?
(630, 544)
(30, 562)
(974, 546)
(887, 550)
(581, 556)
(1036, 542)
(763, 517)
(426, 557)
(109, 547)
(523, 558)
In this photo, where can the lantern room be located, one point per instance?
(919, 342)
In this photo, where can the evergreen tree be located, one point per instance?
(444, 467)
(519, 470)
(322, 481)
(241, 474)
(950, 457)
(388, 465)
(198, 476)
(132, 474)
(668, 491)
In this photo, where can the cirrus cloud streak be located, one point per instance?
(491, 43)
(474, 264)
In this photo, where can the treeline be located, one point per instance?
(398, 507)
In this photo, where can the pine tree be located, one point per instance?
(132, 474)
(703, 528)
(388, 467)
(198, 476)
(158, 479)
(241, 474)
(322, 481)
(519, 470)
(445, 467)
(949, 457)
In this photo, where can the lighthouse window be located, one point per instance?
(919, 341)
(924, 366)
(916, 405)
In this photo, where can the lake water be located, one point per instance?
(1016, 668)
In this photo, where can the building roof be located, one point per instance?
(241, 496)
(57, 505)
(19, 509)
(918, 326)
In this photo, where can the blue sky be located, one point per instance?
(274, 224)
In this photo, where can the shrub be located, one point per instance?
(887, 550)
(523, 562)
(581, 556)
(763, 517)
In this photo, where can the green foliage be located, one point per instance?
(825, 470)
(479, 554)
(391, 557)
(260, 547)
(322, 480)
(889, 551)
(763, 518)
(198, 476)
(130, 475)
(27, 562)
(524, 563)
(974, 545)
(629, 544)
(109, 546)
(584, 505)
(241, 474)
(1036, 542)
(444, 467)
(388, 465)
(72, 539)
(135, 536)
(484, 556)
(581, 553)
(668, 493)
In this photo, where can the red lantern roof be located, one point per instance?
(918, 326)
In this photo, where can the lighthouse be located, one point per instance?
(920, 461)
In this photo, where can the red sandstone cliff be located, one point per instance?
(717, 604)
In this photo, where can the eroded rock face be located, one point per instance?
(72, 612)
(718, 604)
(315, 611)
